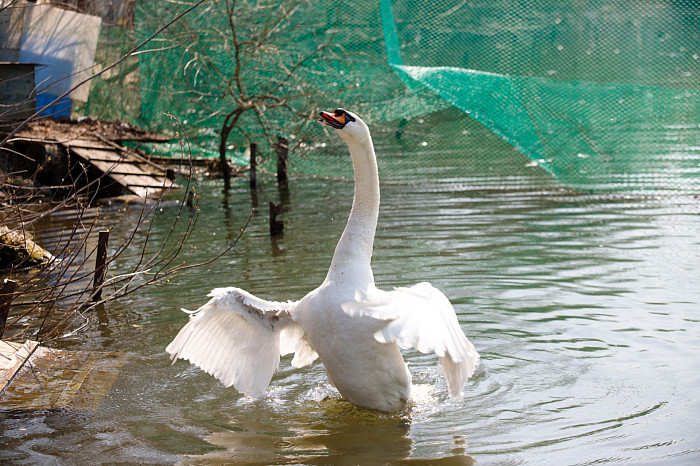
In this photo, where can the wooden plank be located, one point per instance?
(87, 144)
(142, 192)
(123, 168)
(133, 176)
(140, 180)
(99, 154)
(96, 155)
(107, 167)
(51, 379)
(12, 355)
(135, 154)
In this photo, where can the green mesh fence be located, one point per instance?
(116, 95)
(603, 95)
(599, 95)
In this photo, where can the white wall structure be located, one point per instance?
(63, 43)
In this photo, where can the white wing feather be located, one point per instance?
(238, 338)
(421, 318)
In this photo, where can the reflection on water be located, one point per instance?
(331, 431)
(584, 309)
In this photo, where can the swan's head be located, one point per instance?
(348, 125)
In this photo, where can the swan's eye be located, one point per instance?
(342, 113)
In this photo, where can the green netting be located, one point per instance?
(116, 94)
(603, 95)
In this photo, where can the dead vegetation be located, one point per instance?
(55, 297)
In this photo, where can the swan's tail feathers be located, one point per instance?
(457, 373)
(421, 318)
(238, 339)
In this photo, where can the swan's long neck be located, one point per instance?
(351, 261)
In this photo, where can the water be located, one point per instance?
(585, 309)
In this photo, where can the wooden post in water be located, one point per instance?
(276, 226)
(190, 199)
(100, 265)
(282, 149)
(253, 164)
(7, 292)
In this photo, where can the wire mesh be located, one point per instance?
(602, 95)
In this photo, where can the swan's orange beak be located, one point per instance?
(337, 119)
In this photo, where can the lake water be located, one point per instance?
(585, 309)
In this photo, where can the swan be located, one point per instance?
(356, 329)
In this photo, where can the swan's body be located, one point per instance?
(355, 328)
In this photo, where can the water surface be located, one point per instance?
(585, 309)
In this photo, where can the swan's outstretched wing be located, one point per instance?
(421, 318)
(238, 338)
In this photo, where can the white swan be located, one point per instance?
(355, 328)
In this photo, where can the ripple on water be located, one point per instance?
(584, 309)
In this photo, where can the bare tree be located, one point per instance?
(257, 68)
